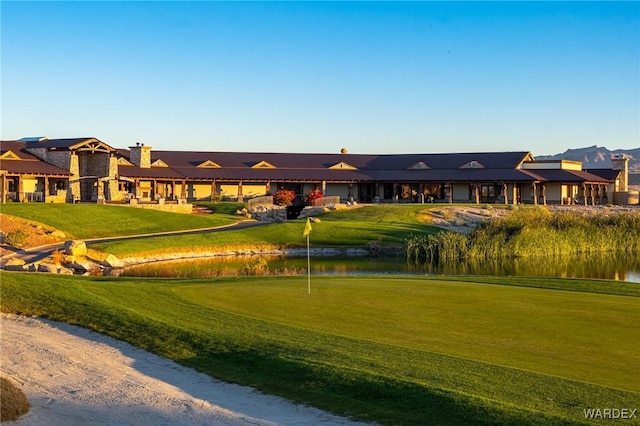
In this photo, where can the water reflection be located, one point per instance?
(617, 267)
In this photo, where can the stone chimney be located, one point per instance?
(140, 155)
(621, 162)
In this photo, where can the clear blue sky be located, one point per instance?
(318, 76)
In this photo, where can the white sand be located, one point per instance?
(73, 376)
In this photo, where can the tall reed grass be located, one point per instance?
(532, 233)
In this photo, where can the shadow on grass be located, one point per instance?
(360, 395)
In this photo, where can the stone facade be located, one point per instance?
(621, 162)
(140, 155)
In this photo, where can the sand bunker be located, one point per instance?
(73, 376)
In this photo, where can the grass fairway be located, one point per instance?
(584, 336)
(388, 224)
(409, 350)
(96, 221)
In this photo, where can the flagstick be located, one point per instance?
(308, 266)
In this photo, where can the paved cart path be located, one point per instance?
(35, 254)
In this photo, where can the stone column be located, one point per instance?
(21, 196)
(3, 188)
(476, 190)
(534, 193)
(113, 186)
(136, 186)
(240, 195)
(505, 193)
(100, 188)
(73, 193)
(544, 194)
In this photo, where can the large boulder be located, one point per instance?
(76, 248)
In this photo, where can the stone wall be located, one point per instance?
(172, 208)
(94, 163)
(60, 159)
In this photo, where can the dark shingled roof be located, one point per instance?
(568, 176)
(604, 173)
(28, 163)
(64, 144)
(491, 166)
(57, 143)
(315, 167)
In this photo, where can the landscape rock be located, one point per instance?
(76, 248)
(81, 266)
(113, 262)
(58, 234)
(14, 265)
(48, 267)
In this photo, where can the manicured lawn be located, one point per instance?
(389, 224)
(393, 350)
(94, 221)
(531, 328)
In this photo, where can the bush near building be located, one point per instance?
(313, 195)
(284, 197)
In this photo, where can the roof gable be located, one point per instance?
(208, 164)
(420, 165)
(473, 164)
(159, 163)
(124, 162)
(92, 145)
(9, 155)
(263, 165)
(342, 166)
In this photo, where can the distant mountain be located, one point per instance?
(596, 157)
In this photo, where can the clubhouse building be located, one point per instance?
(89, 170)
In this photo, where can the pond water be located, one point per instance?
(617, 267)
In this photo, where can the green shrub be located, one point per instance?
(16, 238)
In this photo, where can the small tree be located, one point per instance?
(313, 195)
(284, 197)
